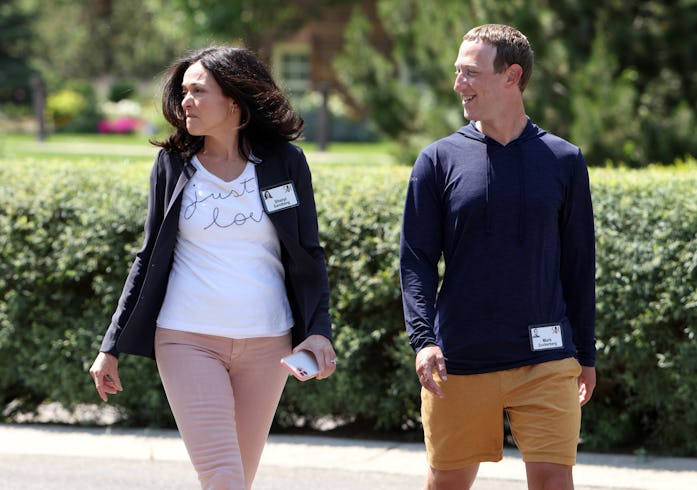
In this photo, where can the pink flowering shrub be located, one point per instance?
(121, 125)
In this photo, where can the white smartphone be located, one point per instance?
(302, 365)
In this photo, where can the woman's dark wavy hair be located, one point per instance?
(265, 113)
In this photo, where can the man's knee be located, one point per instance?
(549, 476)
(461, 479)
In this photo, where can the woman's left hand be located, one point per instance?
(323, 351)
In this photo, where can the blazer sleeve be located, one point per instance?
(134, 282)
(319, 321)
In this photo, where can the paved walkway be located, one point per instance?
(318, 452)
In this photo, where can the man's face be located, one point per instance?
(476, 82)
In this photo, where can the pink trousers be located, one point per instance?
(223, 394)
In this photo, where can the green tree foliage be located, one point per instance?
(405, 91)
(604, 108)
(124, 38)
(619, 78)
(374, 84)
(15, 22)
(137, 39)
(616, 76)
(249, 21)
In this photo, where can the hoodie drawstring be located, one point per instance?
(522, 211)
(489, 171)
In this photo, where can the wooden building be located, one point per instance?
(303, 60)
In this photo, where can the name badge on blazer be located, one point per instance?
(279, 197)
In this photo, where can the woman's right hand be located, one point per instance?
(105, 373)
(321, 348)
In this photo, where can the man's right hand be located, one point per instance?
(105, 373)
(428, 360)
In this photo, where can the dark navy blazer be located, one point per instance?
(132, 328)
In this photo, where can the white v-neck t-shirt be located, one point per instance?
(227, 278)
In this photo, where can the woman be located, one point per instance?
(231, 275)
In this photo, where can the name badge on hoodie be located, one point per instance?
(545, 337)
(279, 198)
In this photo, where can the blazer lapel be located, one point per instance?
(271, 173)
(187, 172)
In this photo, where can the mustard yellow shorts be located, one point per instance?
(541, 402)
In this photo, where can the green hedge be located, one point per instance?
(359, 217)
(646, 311)
(70, 229)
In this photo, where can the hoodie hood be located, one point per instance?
(531, 131)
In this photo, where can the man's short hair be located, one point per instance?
(512, 48)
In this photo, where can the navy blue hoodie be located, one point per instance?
(514, 225)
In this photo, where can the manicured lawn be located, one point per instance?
(100, 147)
(131, 139)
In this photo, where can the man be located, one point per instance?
(511, 328)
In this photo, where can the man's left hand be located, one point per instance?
(586, 384)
